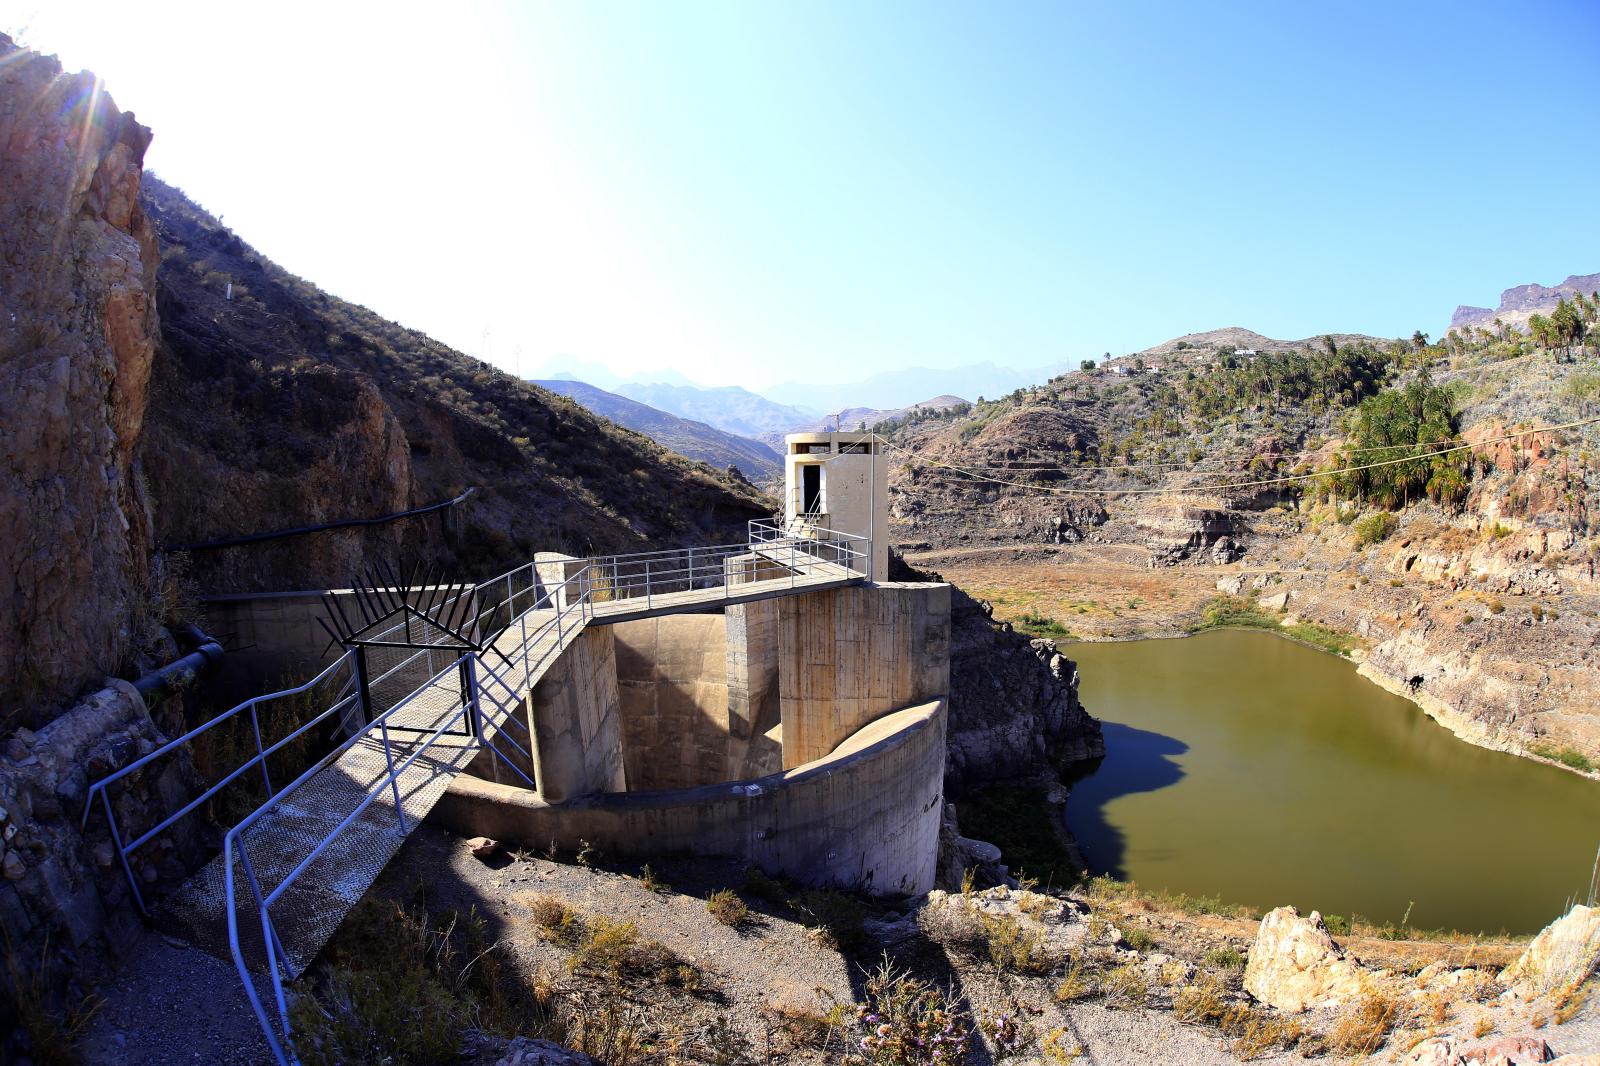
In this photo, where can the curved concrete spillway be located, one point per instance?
(866, 816)
(804, 734)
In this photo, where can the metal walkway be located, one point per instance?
(292, 870)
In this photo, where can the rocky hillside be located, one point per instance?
(167, 385)
(1126, 505)
(1014, 707)
(1522, 302)
(276, 405)
(691, 439)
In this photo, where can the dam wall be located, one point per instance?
(865, 816)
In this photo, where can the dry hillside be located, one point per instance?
(1091, 506)
(274, 405)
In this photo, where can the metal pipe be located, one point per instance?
(181, 672)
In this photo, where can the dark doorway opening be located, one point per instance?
(811, 488)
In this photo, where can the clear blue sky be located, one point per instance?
(753, 192)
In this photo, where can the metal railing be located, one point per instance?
(521, 623)
(102, 788)
(235, 844)
(342, 705)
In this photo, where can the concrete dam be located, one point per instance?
(773, 701)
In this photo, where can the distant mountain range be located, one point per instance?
(729, 408)
(852, 418)
(897, 389)
(696, 440)
(1522, 302)
(751, 413)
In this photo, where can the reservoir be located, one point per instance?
(1243, 765)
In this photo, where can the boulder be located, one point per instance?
(525, 1052)
(1295, 965)
(1278, 601)
(1506, 1051)
(1565, 953)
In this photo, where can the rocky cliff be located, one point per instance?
(77, 337)
(1521, 301)
(1014, 708)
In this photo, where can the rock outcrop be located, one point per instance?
(77, 338)
(1295, 965)
(64, 898)
(1564, 955)
(1014, 707)
(1520, 301)
(1506, 1051)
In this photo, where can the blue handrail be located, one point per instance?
(102, 786)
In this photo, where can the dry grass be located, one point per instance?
(1014, 947)
(1077, 984)
(1252, 1030)
(1568, 1000)
(53, 1028)
(401, 985)
(1123, 987)
(1362, 1028)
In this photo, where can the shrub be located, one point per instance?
(1338, 924)
(908, 1022)
(1124, 987)
(1224, 958)
(556, 921)
(1566, 756)
(1139, 939)
(401, 986)
(1330, 640)
(652, 882)
(1015, 948)
(1041, 625)
(761, 886)
(726, 907)
(1077, 984)
(1233, 611)
(1375, 528)
(1254, 1031)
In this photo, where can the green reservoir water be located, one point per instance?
(1242, 765)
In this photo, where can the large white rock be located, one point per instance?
(1566, 952)
(1295, 965)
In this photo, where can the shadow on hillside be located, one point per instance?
(1137, 760)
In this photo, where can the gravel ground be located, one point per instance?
(173, 1004)
(170, 1003)
(776, 962)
